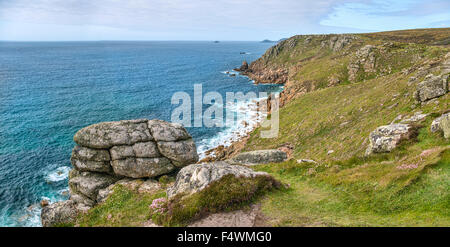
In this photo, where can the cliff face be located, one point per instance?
(305, 63)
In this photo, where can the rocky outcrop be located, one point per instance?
(338, 42)
(364, 60)
(196, 177)
(133, 148)
(432, 87)
(128, 152)
(388, 137)
(442, 124)
(259, 157)
(243, 68)
(276, 75)
(59, 213)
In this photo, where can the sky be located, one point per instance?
(66, 20)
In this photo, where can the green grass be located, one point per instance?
(353, 194)
(123, 207)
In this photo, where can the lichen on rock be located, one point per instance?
(196, 177)
(432, 87)
(388, 137)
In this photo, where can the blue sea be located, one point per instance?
(49, 90)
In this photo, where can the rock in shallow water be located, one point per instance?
(196, 177)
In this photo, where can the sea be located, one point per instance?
(49, 90)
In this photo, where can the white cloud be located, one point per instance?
(185, 19)
(390, 14)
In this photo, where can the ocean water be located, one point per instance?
(49, 90)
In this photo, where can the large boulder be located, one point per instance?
(196, 177)
(386, 138)
(108, 134)
(259, 157)
(59, 213)
(432, 87)
(133, 148)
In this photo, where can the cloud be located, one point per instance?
(196, 19)
(382, 15)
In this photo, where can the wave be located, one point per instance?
(61, 173)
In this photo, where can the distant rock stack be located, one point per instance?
(244, 67)
(114, 152)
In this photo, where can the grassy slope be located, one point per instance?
(347, 189)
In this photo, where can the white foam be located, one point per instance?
(61, 173)
(246, 112)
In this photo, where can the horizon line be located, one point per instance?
(212, 40)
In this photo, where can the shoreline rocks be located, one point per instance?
(244, 67)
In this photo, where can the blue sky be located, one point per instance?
(210, 19)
